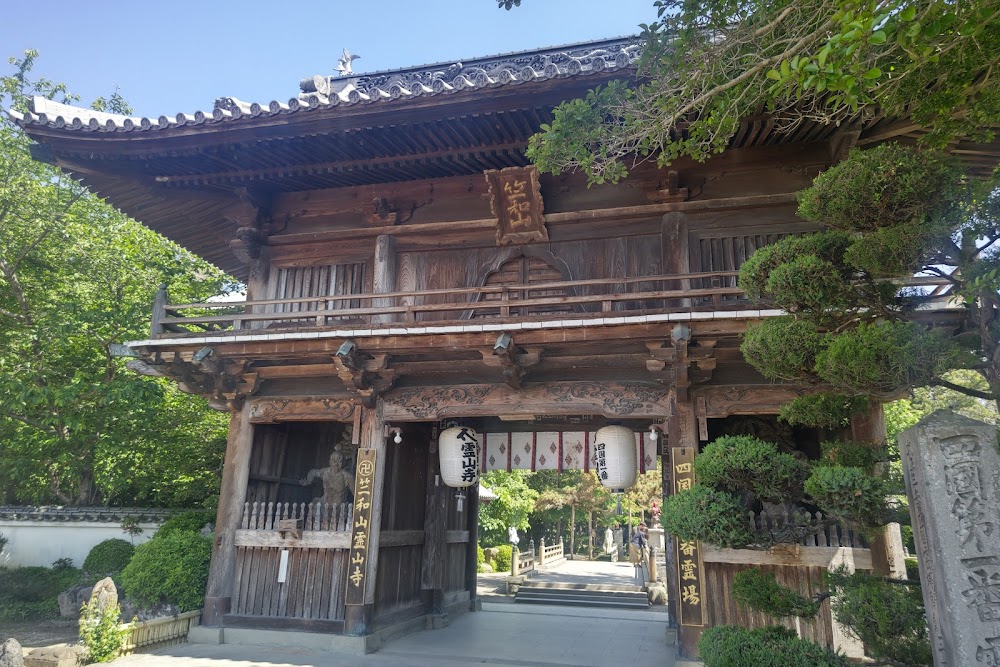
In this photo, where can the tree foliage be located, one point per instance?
(890, 213)
(708, 65)
(76, 276)
(514, 503)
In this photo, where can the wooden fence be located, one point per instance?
(313, 516)
(810, 530)
(159, 632)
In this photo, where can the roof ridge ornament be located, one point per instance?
(344, 64)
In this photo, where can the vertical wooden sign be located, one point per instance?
(516, 201)
(364, 486)
(690, 569)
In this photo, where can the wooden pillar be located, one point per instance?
(385, 275)
(358, 618)
(676, 256)
(472, 554)
(682, 431)
(257, 278)
(888, 556)
(435, 550)
(232, 495)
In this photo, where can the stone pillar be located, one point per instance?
(951, 465)
(232, 495)
(682, 431)
(384, 280)
(358, 618)
(888, 557)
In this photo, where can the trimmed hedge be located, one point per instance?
(191, 522)
(108, 559)
(731, 646)
(169, 569)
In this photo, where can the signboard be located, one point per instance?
(690, 569)
(516, 201)
(357, 564)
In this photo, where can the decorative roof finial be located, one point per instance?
(344, 64)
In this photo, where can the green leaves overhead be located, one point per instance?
(708, 65)
(75, 276)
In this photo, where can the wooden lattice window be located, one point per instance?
(522, 275)
(333, 280)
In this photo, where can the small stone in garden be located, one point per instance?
(11, 654)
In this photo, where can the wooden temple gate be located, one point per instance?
(404, 266)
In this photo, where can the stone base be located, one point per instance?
(326, 642)
(60, 655)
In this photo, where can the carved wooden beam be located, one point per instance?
(513, 360)
(366, 375)
(273, 410)
(669, 191)
(745, 399)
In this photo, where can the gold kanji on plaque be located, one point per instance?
(516, 202)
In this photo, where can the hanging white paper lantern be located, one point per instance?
(615, 449)
(458, 448)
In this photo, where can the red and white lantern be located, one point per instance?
(615, 450)
(458, 448)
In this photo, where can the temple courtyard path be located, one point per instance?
(501, 634)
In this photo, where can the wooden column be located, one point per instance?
(676, 256)
(260, 270)
(472, 554)
(435, 534)
(682, 431)
(232, 494)
(358, 618)
(385, 275)
(888, 556)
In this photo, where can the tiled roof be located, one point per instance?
(99, 514)
(326, 92)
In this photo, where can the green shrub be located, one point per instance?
(760, 591)
(32, 593)
(714, 517)
(885, 186)
(853, 495)
(888, 617)
(480, 555)
(912, 569)
(755, 273)
(108, 559)
(822, 410)
(731, 646)
(740, 463)
(783, 348)
(505, 554)
(851, 454)
(190, 522)
(171, 569)
(100, 632)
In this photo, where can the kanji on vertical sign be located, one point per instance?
(357, 563)
(690, 569)
(516, 201)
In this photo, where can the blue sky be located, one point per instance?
(170, 57)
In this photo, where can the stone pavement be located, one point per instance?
(589, 572)
(499, 635)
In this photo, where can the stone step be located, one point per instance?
(565, 586)
(607, 602)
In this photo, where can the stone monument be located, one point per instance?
(951, 466)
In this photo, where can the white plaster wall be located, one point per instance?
(42, 542)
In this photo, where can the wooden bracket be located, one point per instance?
(511, 359)
(366, 375)
(670, 192)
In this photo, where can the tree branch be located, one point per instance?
(968, 391)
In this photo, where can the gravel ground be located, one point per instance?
(40, 633)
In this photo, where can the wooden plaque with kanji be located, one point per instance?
(516, 201)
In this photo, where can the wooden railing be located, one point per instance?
(582, 298)
(811, 530)
(159, 632)
(313, 516)
(549, 554)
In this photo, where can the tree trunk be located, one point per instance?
(590, 535)
(572, 528)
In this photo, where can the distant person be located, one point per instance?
(637, 545)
